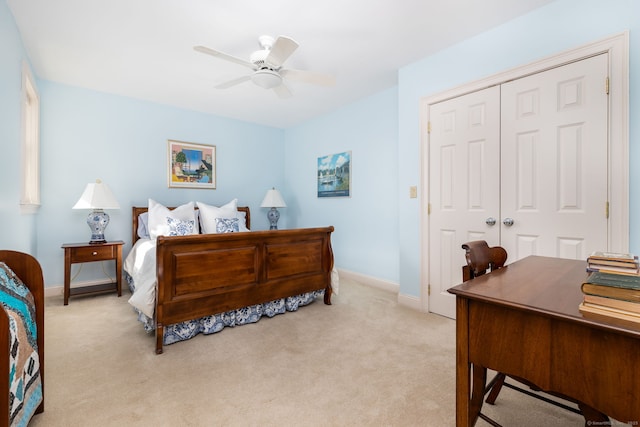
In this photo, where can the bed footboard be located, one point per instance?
(202, 275)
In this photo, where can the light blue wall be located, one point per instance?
(377, 229)
(366, 227)
(88, 135)
(559, 26)
(17, 231)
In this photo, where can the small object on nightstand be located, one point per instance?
(90, 252)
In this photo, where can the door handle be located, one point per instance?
(508, 222)
(490, 221)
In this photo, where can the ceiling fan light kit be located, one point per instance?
(266, 78)
(267, 66)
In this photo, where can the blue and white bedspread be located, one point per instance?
(140, 271)
(25, 385)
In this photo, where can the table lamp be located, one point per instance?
(97, 197)
(273, 200)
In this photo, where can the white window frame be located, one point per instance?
(30, 174)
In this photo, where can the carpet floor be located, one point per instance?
(363, 361)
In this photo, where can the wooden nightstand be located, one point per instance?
(87, 252)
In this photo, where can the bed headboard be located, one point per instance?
(137, 210)
(28, 269)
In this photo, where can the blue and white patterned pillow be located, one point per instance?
(227, 225)
(178, 227)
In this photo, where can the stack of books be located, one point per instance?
(612, 295)
(616, 263)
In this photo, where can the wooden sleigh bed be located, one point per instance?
(206, 274)
(29, 272)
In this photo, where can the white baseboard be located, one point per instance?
(53, 291)
(385, 285)
(409, 301)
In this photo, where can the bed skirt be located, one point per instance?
(217, 322)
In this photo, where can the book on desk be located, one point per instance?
(613, 257)
(624, 318)
(615, 263)
(612, 292)
(619, 286)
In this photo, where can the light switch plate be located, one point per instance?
(413, 192)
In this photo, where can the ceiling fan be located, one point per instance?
(267, 66)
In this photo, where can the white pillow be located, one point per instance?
(158, 214)
(143, 225)
(208, 215)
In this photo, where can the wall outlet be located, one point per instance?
(413, 192)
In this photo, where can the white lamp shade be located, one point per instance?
(273, 199)
(97, 196)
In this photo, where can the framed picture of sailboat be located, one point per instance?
(334, 175)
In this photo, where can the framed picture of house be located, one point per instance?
(191, 165)
(334, 175)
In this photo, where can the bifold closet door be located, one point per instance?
(464, 186)
(554, 161)
(522, 165)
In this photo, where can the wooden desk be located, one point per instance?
(523, 320)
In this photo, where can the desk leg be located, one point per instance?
(477, 393)
(468, 405)
(463, 373)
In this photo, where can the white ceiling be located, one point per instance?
(144, 48)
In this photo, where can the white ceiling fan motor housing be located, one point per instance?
(266, 75)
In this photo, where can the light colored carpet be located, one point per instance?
(364, 361)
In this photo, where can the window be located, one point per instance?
(30, 193)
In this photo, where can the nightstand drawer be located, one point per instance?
(93, 253)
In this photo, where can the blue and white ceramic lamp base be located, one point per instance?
(273, 215)
(97, 221)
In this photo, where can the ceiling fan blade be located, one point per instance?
(282, 91)
(233, 82)
(282, 49)
(221, 55)
(309, 77)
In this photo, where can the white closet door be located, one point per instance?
(533, 151)
(464, 186)
(554, 161)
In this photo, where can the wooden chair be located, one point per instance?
(482, 259)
